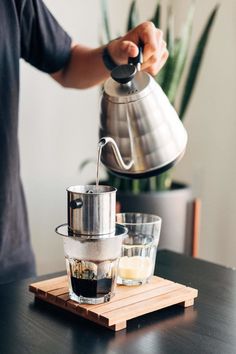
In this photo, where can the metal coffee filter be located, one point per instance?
(91, 209)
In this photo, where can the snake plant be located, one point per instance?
(169, 77)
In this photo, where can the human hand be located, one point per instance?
(155, 52)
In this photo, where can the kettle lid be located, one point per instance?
(126, 84)
(123, 73)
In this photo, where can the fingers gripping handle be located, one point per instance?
(138, 60)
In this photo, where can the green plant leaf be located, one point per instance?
(196, 63)
(177, 60)
(152, 185)
(133, 18)
(170, 68)
(170, 30)
(113, 180)
(156, 19)
(161, 75)
(136, 188)
(105, 20)
(161, 182)
(167, 70)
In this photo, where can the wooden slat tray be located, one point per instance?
(128, 302)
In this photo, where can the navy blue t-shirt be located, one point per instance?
(28, 31)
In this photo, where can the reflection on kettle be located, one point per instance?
(140, 131)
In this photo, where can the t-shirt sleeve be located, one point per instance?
(44, 43)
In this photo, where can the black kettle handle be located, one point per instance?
(126, 72)
(139, 58)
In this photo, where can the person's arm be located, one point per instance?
(86, 67)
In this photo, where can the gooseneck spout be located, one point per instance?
(108, 140)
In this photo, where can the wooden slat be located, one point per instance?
(187, 303)
(58, 292)
(118, 326)
(129, 302)
(110, 306)
(155, 282)
(62, 298)
(50, 284)
(70, 309)
(141, 308)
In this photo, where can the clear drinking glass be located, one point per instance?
(92, 264)
(136, 265)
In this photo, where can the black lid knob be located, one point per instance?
(124, 73)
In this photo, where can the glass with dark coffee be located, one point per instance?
(91, 279)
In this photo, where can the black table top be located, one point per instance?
(29, 326)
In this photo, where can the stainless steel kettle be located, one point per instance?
(140, 131)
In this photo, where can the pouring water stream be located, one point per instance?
(100, 146)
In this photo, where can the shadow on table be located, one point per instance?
(89, 337)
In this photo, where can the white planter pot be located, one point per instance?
(175, 207)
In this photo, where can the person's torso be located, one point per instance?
(9, 84)
(12, 209)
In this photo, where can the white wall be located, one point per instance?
(58, 130)
(210, 163)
